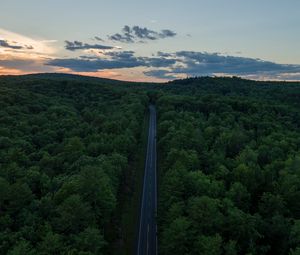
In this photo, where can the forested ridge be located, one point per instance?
(64, 145)
(228, 164)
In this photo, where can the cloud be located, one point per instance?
(20, 54)
(211, 63)
(76, 45)
(180, 64)
(86, 65)
(24, 66)
(166, 33)
(164, 54)
(121, 38)
(140, 34)
(144, 33)
(14, 45)
(126, 36)
(99, 38)
(5, 44)
(158, 61)
(193, 63)
(161, 74)
(110, 60)
(120, 54)
(24, 44)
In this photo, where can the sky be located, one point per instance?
(155, 40)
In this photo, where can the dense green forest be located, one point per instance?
(229, 153)
(228, 164)
(64, 146)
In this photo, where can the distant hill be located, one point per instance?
(61, 76)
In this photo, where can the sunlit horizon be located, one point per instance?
(152, 44)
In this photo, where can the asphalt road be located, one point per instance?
(147, 238)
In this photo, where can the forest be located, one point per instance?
(228, 164)
(64, 145)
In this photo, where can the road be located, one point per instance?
(147, 238)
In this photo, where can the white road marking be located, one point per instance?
(148, 240)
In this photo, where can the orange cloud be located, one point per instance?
(6, 71)
(28, 58)
(125, 74)
(40, 47)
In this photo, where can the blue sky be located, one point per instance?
(254, 39)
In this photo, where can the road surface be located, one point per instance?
(147, 239)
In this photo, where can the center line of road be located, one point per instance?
(147, 236)
(148, 240)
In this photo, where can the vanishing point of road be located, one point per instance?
(147, 235)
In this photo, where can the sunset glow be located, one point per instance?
(154, 48)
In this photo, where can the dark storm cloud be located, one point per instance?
(76, 45)
(6, 44)
(137, 34)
